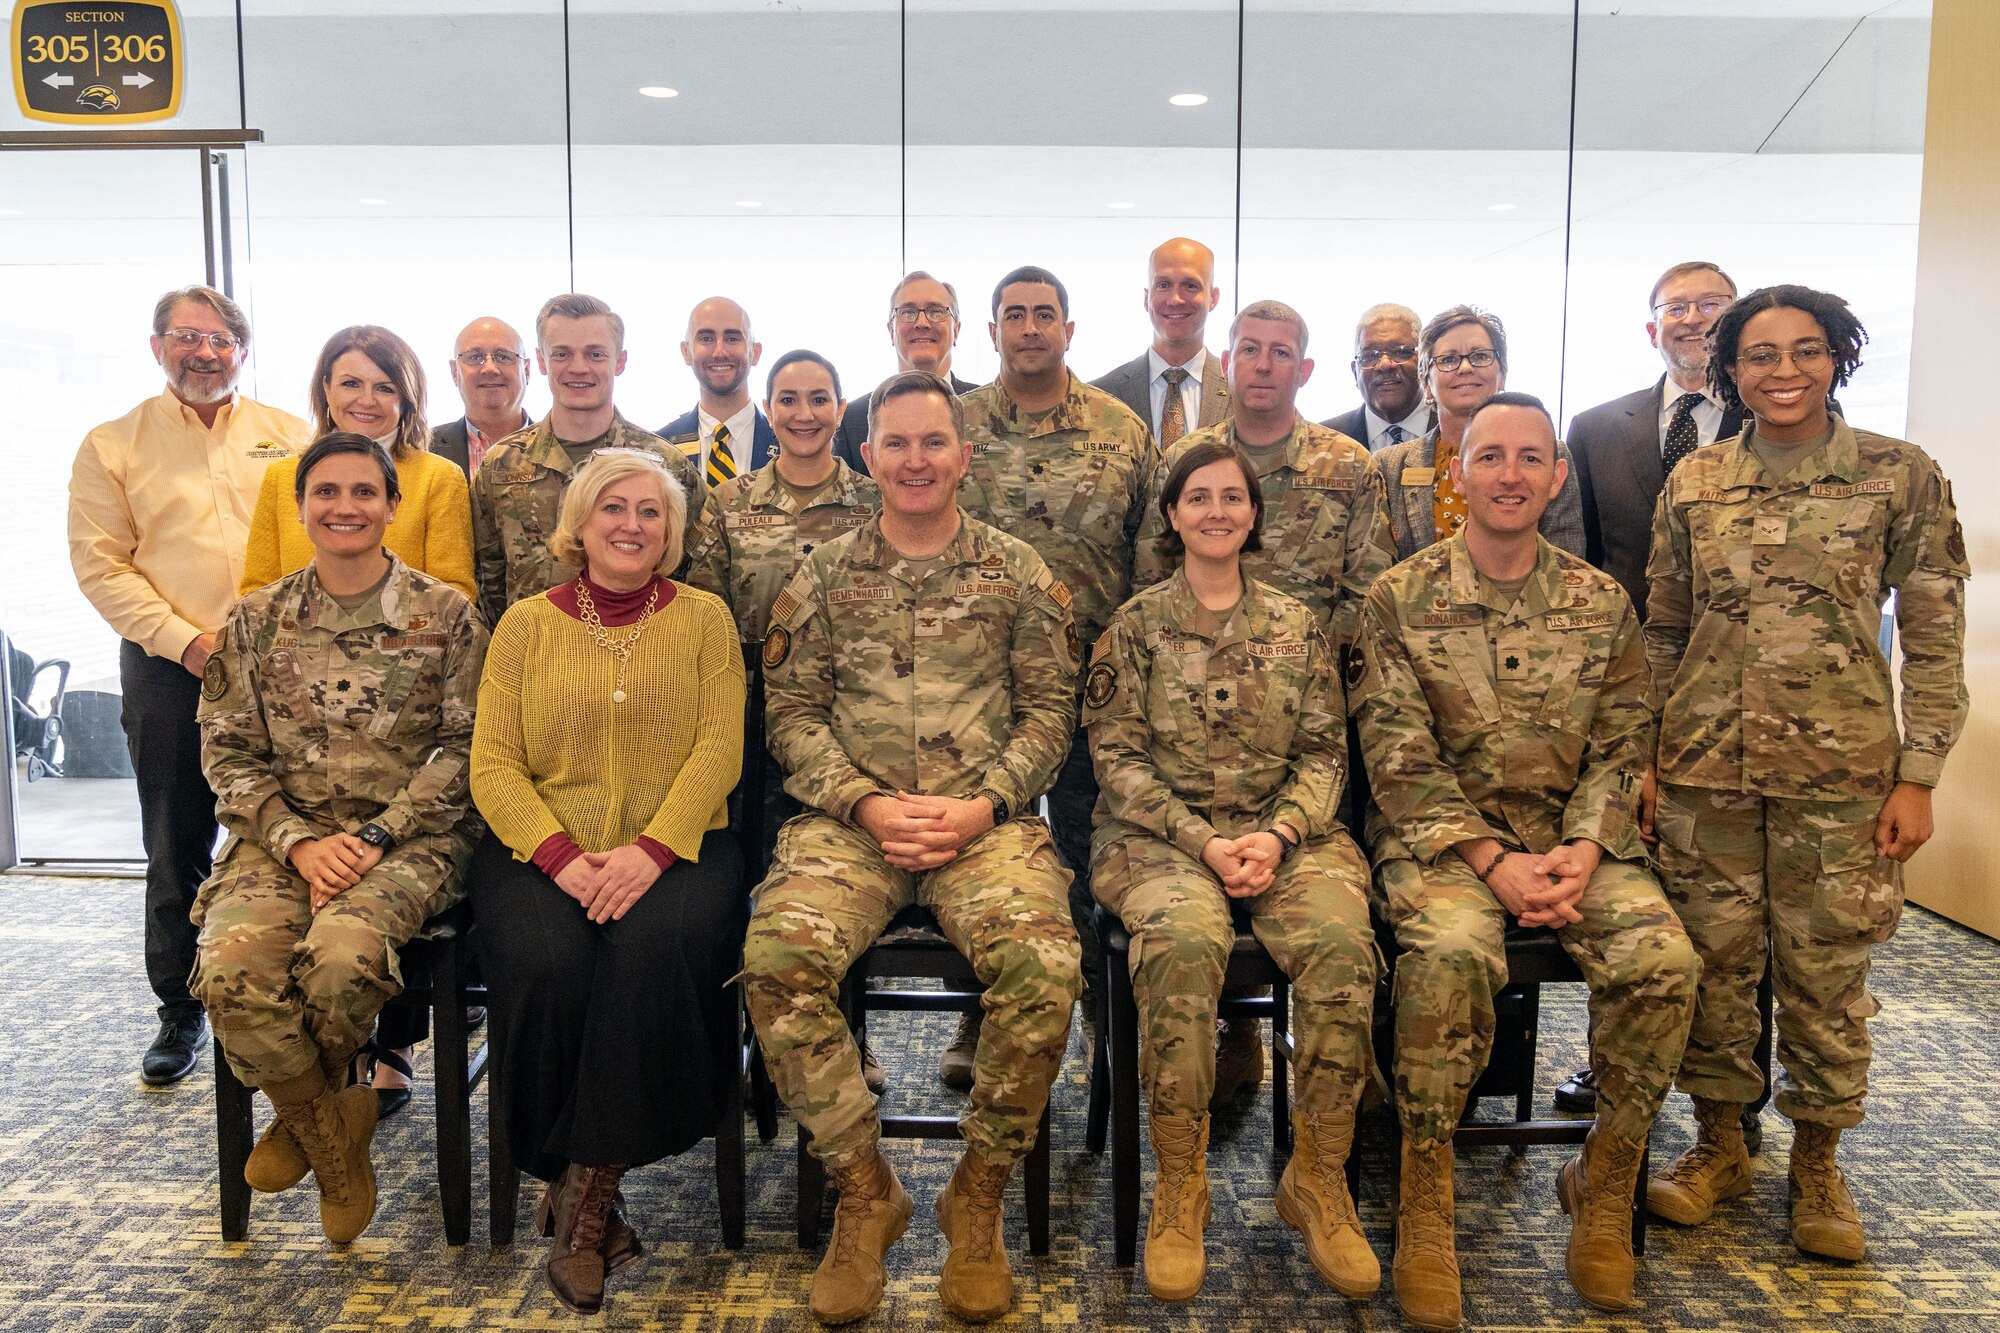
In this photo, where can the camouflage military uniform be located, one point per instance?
(517, 497)
(1196, 736)
(315, 721)
(1073, 486)
(1778, 739)
(1528, 724)
(1326, 526)
(949, 683)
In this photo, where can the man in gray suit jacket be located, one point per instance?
(1385, 370)
(489, 368)
(1180, 294)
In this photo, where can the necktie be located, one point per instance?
(1173, 417)
(1682, 435)
(721, 462)
(1396, 435)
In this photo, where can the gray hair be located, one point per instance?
(918, 275)
(1402, 314)
(232, 314)
(1275, 311)
(575, 305)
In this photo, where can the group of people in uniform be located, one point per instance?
(1183, 644)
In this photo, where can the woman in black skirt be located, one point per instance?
(609, 894)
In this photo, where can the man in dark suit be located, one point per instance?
(724, 433)
(1623, 450)
(1385, 370)
(1177, 384)
(923, 328)
(489, 368)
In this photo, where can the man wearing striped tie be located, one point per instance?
(725, 433)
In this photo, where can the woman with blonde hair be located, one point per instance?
(609, 892)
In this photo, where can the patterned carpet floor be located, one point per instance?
(108, 1192)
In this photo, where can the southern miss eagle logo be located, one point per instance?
(98, 98)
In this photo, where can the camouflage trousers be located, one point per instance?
(1002, 903)
(1637, 960)
(1801, 879)
(286, 987)
(1313, 921)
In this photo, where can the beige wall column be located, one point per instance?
(1958, 296)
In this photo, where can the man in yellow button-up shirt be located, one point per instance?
(159, 512)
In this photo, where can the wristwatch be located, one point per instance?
(376, 836)
(999, 803)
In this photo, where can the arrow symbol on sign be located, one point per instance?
(135, 80)
(59, 81)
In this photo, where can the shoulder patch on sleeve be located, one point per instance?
(1059, 591)
(777, 647)
(1102, 685)
(1073, 644)
(215, 677)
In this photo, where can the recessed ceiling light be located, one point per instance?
(372, 200)
(1189, 99)
(659, 90)
(1501, 208)
(749, 203)
(1122, 203)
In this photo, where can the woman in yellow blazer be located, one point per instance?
(368, 381)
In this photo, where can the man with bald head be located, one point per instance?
(489, 368)
(724, 434)
(1385, 370)
(1176, 385)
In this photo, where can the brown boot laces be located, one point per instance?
(1822, 1187)
(1171, 1201)
(322, 1151)
(586, 1228)
(1710, 1148)
(859, 1190)
(1327, 1172)
(982, 1195)
(1605, 1208)
(1424, 1198)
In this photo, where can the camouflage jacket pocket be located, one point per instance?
(1859, 897)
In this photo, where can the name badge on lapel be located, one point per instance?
(1419, 476)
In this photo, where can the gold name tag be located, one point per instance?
(1588, 620)
(840, 595)
(970, 588)
(758, 520)
(1278, 649)
(1769, 531)
(1835, 490)
(1419, 476)
(1449, 619)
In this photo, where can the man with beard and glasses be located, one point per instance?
(159, 514)
(724, 434)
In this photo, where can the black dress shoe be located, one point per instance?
(388, 1101)
(1577, 1094)
(171, 1056)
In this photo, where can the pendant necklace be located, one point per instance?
(620, 648)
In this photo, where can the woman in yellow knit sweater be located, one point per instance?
(609, 891)
(368, 381)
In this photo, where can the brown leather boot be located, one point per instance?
(976, 1283)
(277, 1162)
(956, 1064)
(1175, 1264)
(1596, 1189)
(621, 1242)
(575, 1267)
(872, 1215)
(1426, 1263)
(1313, 1201)
(1715, 1169)
(334, 1130)
(1824, 1218)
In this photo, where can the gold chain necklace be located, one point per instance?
(618, 648)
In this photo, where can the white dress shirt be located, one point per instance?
(1414, 426)
(1707, 412)
(1190, 388)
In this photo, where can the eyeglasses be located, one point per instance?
(935, 314)
(475, 360)
(224, 343)
(1451, 361)
(1707, 305)
(627, 451)
(1806, 358)
(1395, 356)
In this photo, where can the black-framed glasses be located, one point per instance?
(476, 360)
(935, 314)
(224, 343)
(1807, 358)
(1395, 356)
(1707, 305)
(1478, 359)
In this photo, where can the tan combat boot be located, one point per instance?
(1824, 1218)
(955, 1066)
(277, 1162)
(1426, 1263)
(872, 1215)
(976, 1284)
(334, 1130)
(1596, 1188)
(1175, 1264)
(581, 1214)
(1313, 1201)
(1715, 1169)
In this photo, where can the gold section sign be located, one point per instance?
(97, 64)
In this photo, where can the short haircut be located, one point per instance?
(1845, 336)
(231, 313)
(1512, 398)
(1446, 320)
(397, 361)
(575, 305)
(1679, 270)
(792, 358)
(345, 442)
(918, 275)
(1032, 273)
(909, 382)
(1197, 457)
(599, 473)
(1387, 310)
(1275, 311)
